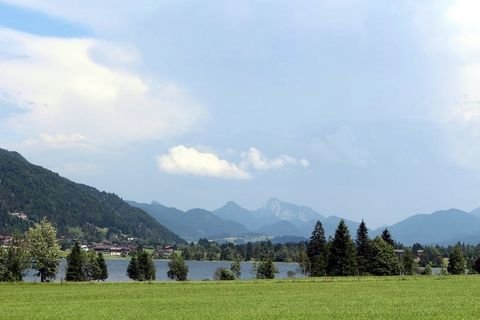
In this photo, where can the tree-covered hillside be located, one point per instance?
(79, 211)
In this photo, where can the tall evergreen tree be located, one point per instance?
(408, 262)
(456, 261)
(342, 257)
(75, 264)
(363, 249)
(383, 262)
(146, 266)
(132, 269)
(316, 251)
(387, 237)
(103, 267)
(91, 267)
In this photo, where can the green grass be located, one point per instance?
(342, 298)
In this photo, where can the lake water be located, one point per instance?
(198, 270)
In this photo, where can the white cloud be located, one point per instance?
(65, 96)
(189, 161)
(254, 158)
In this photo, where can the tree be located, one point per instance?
(428, 270)
(91, 269)
(384, 262)
(13, 260)
(363, 249)
(387, 237)
(103, 267)
(235, 267)
(408, 262)
(132, 269)
(178, 269)
(223, 274)
(303, 262)
(316, 251)
(456, 261)
(476, 265)
(342, 257)
(141, 266)
(265, 269)
(44, 249)
(75, 265)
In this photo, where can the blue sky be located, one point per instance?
(363, 109)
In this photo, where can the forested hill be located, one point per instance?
(79, 211)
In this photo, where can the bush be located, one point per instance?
(223, 274)
(178, 270)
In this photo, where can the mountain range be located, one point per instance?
(283, 220)
(29, 192)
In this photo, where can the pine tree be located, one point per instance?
(342, 257)
(363, 249)
(408, 262)
(132, 269)
(75, 264)
(146, 266)
(456, 261)
(316, 251)
(103, 267)
(383, 262)
(91, 268)
(387, 237)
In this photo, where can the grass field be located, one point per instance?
(343, 298)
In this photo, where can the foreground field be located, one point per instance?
(344, 298)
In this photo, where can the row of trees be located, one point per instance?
(343, 256)
(85, 266)
(38, 249)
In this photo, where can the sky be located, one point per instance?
(365, 109)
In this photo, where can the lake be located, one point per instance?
(198, 270)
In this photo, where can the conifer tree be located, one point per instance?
(342, 256)
(75, 264)
(132, 269)
(456, 261)
(316, 251)
(408, 262)
(103, 267)
(363, 249)
(146, 266)
(383, 262)
(91, 268)
(387, 237)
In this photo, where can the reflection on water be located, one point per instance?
(198, 270)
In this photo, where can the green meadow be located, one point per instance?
(449, 297)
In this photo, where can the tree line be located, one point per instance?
(343, 256)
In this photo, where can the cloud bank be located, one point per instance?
(64, 96)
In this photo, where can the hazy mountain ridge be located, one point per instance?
(78, 210)
(442, 227)
(193, 224)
